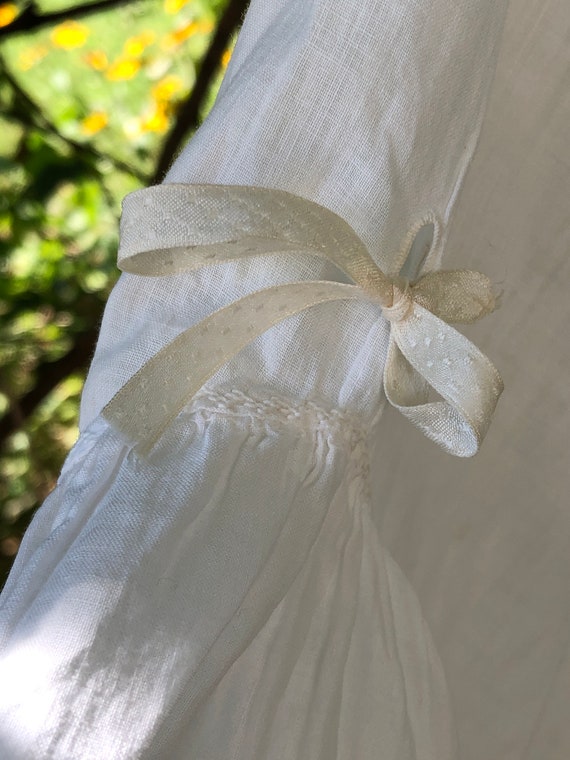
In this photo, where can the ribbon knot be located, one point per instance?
(215, 224)
(402, 303)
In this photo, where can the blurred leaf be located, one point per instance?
(84, 109)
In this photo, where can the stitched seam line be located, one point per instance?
(278, 411)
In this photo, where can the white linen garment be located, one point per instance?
(235, 594)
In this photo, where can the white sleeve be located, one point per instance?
(231, 597)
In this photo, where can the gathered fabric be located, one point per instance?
(226, 613)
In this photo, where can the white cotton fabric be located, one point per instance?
(259, 588)
(486, 543)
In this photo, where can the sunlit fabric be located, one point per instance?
(292, 572)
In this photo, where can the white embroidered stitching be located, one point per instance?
(276, 411)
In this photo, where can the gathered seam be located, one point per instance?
(277, 412)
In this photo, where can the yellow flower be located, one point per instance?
(123, 68)
(156, 122)
(205, 27)
(178, 36)
(135, 46)
(8, 12)
(69, 35)
(97, 60)
(164, 90)
(94, 122)
(173, 6)
(226, 58)
(31, 56)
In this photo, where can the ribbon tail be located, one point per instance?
(466, 380)
(144, 407)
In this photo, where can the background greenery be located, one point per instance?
(95, 101)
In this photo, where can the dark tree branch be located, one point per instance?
(50, 374)
(30, 20)
(188, 115)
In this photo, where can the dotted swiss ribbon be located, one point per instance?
(173, 228)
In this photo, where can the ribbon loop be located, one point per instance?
(215, 224)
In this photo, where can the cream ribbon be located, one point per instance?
(174, 228)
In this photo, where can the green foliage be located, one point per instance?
(85, 105)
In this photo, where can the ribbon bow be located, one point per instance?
(173, 228)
